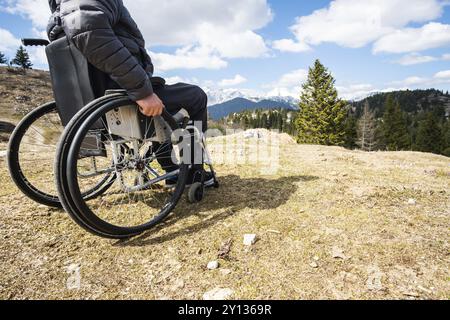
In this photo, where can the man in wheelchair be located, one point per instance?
(107, 36)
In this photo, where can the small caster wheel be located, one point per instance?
(216, 185)
(196, 192)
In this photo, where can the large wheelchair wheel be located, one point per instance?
(137, 200)
(31, 154)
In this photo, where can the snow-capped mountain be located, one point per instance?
(235, 105)
(219, 96)
(223, 102)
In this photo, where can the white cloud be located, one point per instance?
(442, 77)
(38, 57)
(206, 30)
(355, 92)
(431, 35)
(412, 81)
(289, 45)
(294, 78)
(38, 12)
(237, 80)
(415, 58)
(176, 22)
(290, 84)
(445, 75)
(8, 42)
(174, 80)
(35, 10)
(354, 24)
(188, 58)
(245, 44)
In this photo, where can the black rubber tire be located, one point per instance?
(17, 174)
(60, 167)
(67, 176)
(196, 193)
(13, 159)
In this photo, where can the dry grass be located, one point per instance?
(324, 200)
(21, 93)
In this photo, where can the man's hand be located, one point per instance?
(151, 106)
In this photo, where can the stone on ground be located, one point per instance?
(249, 239)
(213, 265)
(218, 294)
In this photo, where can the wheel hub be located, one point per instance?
(140, 165)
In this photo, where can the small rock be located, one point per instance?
(178, 284)
(218, 294)
(131, 261)
(316, 258)
(213, 265)
(249, 239)
(225, 272)
(374, 281)
(2, 154)
(314, 265)
(412, 202)
(338, 253)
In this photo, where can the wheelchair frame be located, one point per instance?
(163, 128)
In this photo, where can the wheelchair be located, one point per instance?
(99, 157)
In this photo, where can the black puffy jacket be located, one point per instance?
(108, 37)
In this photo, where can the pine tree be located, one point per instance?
(367, 129)
(395, 131)
(3, 59)
(322, 115)
(280, 122)
(351, 134)
(446, 138)
(22, 59)
(264, 121)
(429, 135)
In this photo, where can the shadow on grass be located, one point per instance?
(234, 195)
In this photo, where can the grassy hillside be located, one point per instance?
(331, 224)
(20, 93)
(411, 101)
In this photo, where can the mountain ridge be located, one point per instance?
(240, 104)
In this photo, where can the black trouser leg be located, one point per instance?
(164, 156)
(194, 100)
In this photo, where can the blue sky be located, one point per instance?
(265, 47)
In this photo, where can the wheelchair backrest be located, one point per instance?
(71, 77)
